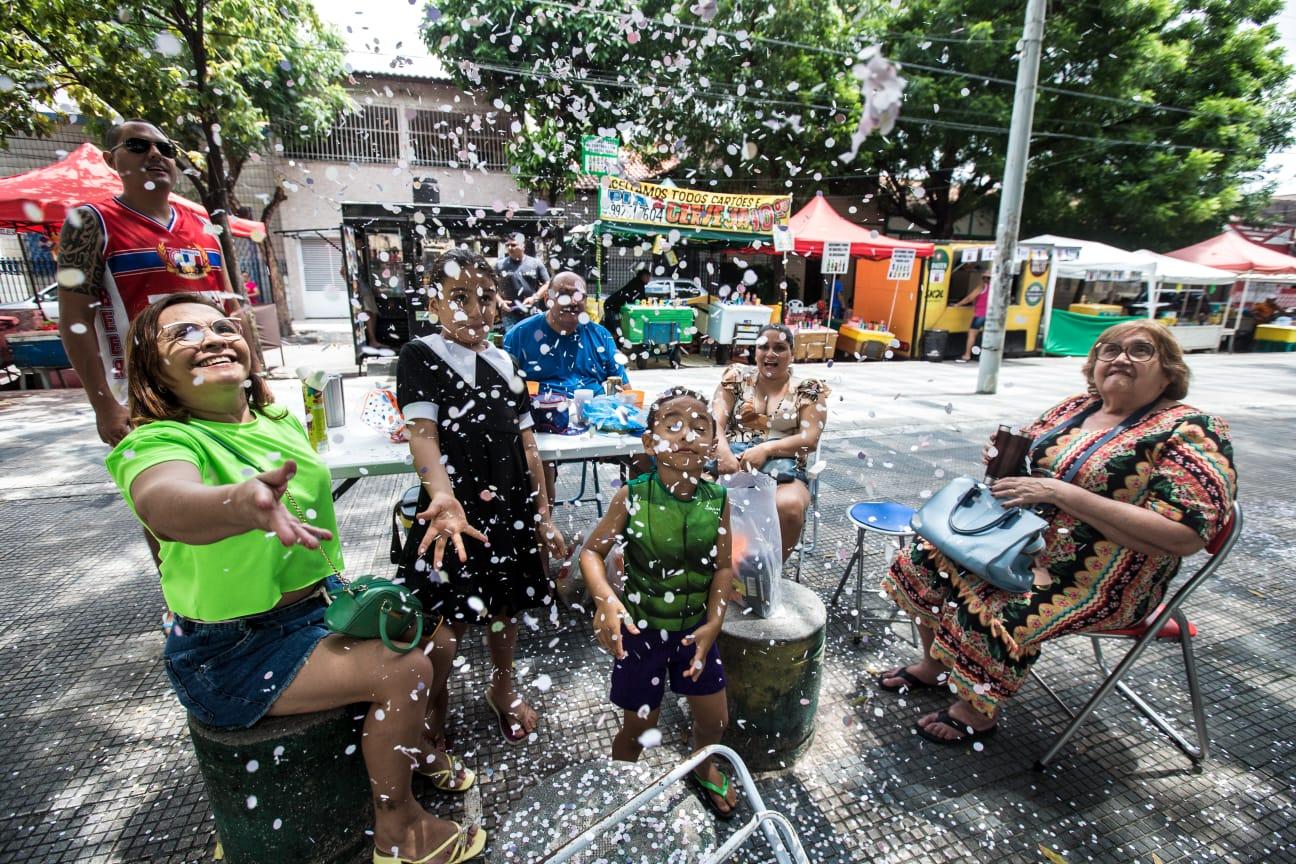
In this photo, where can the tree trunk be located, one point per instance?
(277, 288)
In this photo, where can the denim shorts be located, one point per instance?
(783, 469)
(639, 680)
(228, 674)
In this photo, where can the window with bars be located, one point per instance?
(449, 139)
(371, 134)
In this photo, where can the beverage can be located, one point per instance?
(316, 421)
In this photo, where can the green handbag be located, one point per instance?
(365, 608)
(374, 608)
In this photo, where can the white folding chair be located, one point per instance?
(813, 472)
(1167, 621)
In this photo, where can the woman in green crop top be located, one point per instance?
(245, 552)
(675, 528)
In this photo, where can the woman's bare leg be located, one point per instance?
(342, 671)
(792, 501)
(501, 640)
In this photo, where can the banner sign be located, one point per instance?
(668, 207)
(901, 266)
(836, 257)
(599, 154)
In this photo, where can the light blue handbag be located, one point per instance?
(979, 534)
(976, 532)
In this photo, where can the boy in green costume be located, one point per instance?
(675, 528)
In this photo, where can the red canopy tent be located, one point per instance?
(38, 200)
(1249, 260)
(817, 223)
(1232, 251)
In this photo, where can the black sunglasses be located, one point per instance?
(140, 146)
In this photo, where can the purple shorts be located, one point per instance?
(640, 679)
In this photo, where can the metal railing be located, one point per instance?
(371, 134)
(779, 833)
(453, 140)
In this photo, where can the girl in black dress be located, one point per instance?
(469, 415)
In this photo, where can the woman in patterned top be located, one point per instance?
(1151, 495)
(771, 421)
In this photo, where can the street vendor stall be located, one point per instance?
(657, 327)
(1249, 265)
(1180, 294)
(677, 221)
(383, 246)
(887, 270)
(955, 270)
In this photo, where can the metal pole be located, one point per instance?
(1010, 201)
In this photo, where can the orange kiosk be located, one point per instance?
(926, 301)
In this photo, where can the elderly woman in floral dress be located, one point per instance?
(1154, 493)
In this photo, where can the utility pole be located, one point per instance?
(1010, 200)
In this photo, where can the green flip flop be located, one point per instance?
(705, 788)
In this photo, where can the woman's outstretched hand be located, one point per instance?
(261, 499)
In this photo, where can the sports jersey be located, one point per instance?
(145, 259)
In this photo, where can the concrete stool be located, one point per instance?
(772, 667)
(289, 789)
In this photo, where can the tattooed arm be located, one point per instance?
(81, 273)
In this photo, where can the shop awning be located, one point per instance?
(1235, 253)
(818, 223)
(38, 200)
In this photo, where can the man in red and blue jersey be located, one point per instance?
(117, 256)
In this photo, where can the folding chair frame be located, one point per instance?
(1218, 550)
(778, 832)
(813, 473)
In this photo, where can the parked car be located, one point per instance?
(46, 300)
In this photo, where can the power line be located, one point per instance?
(590, 81)
(804, 46)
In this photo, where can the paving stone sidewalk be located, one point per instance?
(97, 767)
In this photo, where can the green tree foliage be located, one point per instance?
(219, 76)
(709, 96)
(1105, 164)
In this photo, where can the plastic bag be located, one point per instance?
(610, 414)
(757, 543)
(381, 413)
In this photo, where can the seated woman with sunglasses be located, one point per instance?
(243, 511)
(1156, 483)
(771, 422)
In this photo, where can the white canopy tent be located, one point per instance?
(1098, 261)
(1072, 259)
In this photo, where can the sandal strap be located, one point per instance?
(722, 790)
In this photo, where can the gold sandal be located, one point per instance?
(443, 779)
(462, 849)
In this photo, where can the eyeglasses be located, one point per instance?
(140, 146)
(191, 332)
(1139, 352)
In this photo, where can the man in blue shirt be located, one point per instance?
(559, 351)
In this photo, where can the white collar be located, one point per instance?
(464, 360)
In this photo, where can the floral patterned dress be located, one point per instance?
(746, 425)
(1177, 462)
